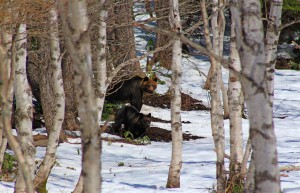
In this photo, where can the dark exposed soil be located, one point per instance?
(158, 134)
(154, 133)
(163, 135)
(154, 119)
(163, 101)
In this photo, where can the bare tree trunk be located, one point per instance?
(121, 35)
(57, 106)
(6, 38)
(272, 37)
(6, 114)
(249, 186)
(245, 158)
(100, 70)
(217, 122)
(250, 43)
(220, 30)
(23, 111)
(164, 57)
(79, 46)
(176, 160)
(224, 91)
(70, 119)
(235, 106)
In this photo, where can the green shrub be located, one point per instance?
(9, 163)
(109, 109)
(128, 136)
(144, 140)
(294, 65)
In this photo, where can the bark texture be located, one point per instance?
(101, 70)
(217, 122)
(235, 108)
(176, 159)
(23, 112)
(250, 44)
(6, 38)
(271, 42)
(79, 46)
(120, 36)
(164, 57)
(54, 111)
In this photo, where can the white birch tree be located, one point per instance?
(101, 71)
(6, 38)
(78, 43)
(101, 81)
(58, 103)
(24, 109)
(217, 122)
(235, 108)
(271, 42)
(176, 159)
(251, 47)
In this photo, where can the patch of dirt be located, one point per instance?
(154, 119)
(158, 134)
(154, 134)
(163, 101)
(163, 135)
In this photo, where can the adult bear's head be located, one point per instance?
(149, 84)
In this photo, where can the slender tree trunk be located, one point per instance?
(176, 160)
(100, 73)
(245, 160)
(6, 113)
(6, 38)
(272, 37)
(250, 43)
(101, 70)
(235, 106)
(23, 111)
(79, 46)
(220, 30)
(217, 122)
(249, 186)
(57, 107)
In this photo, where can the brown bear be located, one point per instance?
(131, 90)
(134, 122)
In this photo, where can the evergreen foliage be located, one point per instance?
(291, 5)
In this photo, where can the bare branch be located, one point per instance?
(120, 66)
(289, 168)
(289, 24)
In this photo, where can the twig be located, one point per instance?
(289, 168)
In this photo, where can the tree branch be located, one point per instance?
(289, 168)
(120, 66)
(289, 24)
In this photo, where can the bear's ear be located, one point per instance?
(149, 115)
(146, 78)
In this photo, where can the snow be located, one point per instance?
(146, 167)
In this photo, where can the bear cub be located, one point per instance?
(133, 121)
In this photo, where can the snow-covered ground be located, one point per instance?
(146, 167)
